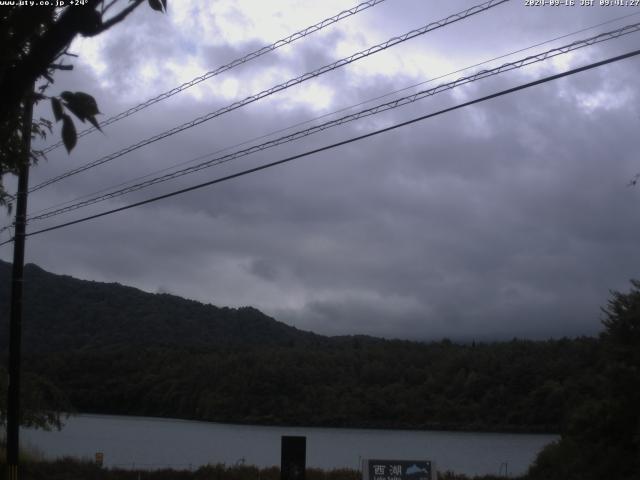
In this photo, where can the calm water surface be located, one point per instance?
(143, 442)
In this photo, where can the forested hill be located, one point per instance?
(114, 349)
(62, 313)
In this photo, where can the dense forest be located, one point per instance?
(106, 348)
(115, 349)
(512, 386)
(62, 313)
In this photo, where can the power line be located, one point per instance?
(283, 86)
(344, 142)
(274, 132)
(267, 135)
(234, 63)
(201, 157)
(349, 118)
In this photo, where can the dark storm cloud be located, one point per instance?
(510, 218)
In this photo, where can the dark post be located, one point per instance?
(293, 458)
(15, 322)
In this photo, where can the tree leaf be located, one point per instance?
(88, 103)
(94, 122)
(56, 106)
(71, 103)
(156, 5)
(69, 135)
(81, 104)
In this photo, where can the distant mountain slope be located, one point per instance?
(63, 313)
(115, 349)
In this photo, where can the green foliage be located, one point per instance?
(66, 468)
(602, 438)
(69, 135)
(158, 5)
(56, 106)
(558, 460)
(27, 454)
(115, 349)
(65, 314)
(448, 475)
(33, 46)
(82, 105)
(42, 402)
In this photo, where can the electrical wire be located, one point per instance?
(540, 57)
(344, 142)
(290, 127)
(282, 86)
(201, 157)
(234, 63)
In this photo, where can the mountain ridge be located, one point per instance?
(62, 312)
(115, 349)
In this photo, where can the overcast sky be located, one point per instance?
(511, 218)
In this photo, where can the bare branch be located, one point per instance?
(57, 66)
(107, 7)
(117, 18)
(65, 52)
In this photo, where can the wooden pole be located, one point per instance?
(15, 322)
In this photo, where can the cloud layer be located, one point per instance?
(508, 218)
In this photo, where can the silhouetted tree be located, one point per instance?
(34, 42)
(602, 438)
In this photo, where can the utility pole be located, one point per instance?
(15, 322)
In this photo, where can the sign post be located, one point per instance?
(293, 458)
(397, 470)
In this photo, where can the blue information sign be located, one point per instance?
(399, 470)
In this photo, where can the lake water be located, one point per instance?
(141, 442)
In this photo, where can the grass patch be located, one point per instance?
(74, 469)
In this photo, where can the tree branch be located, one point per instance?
(117, 18)
(107, 7)
(45, 49)
(57, 66)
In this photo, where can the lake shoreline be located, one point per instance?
(506, 429)
(150, 442)
(68, 467)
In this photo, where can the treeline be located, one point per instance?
(601, 433)
(105, 348)
(70, 468)
(62, 313)
(116, 349)
(515, 386)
